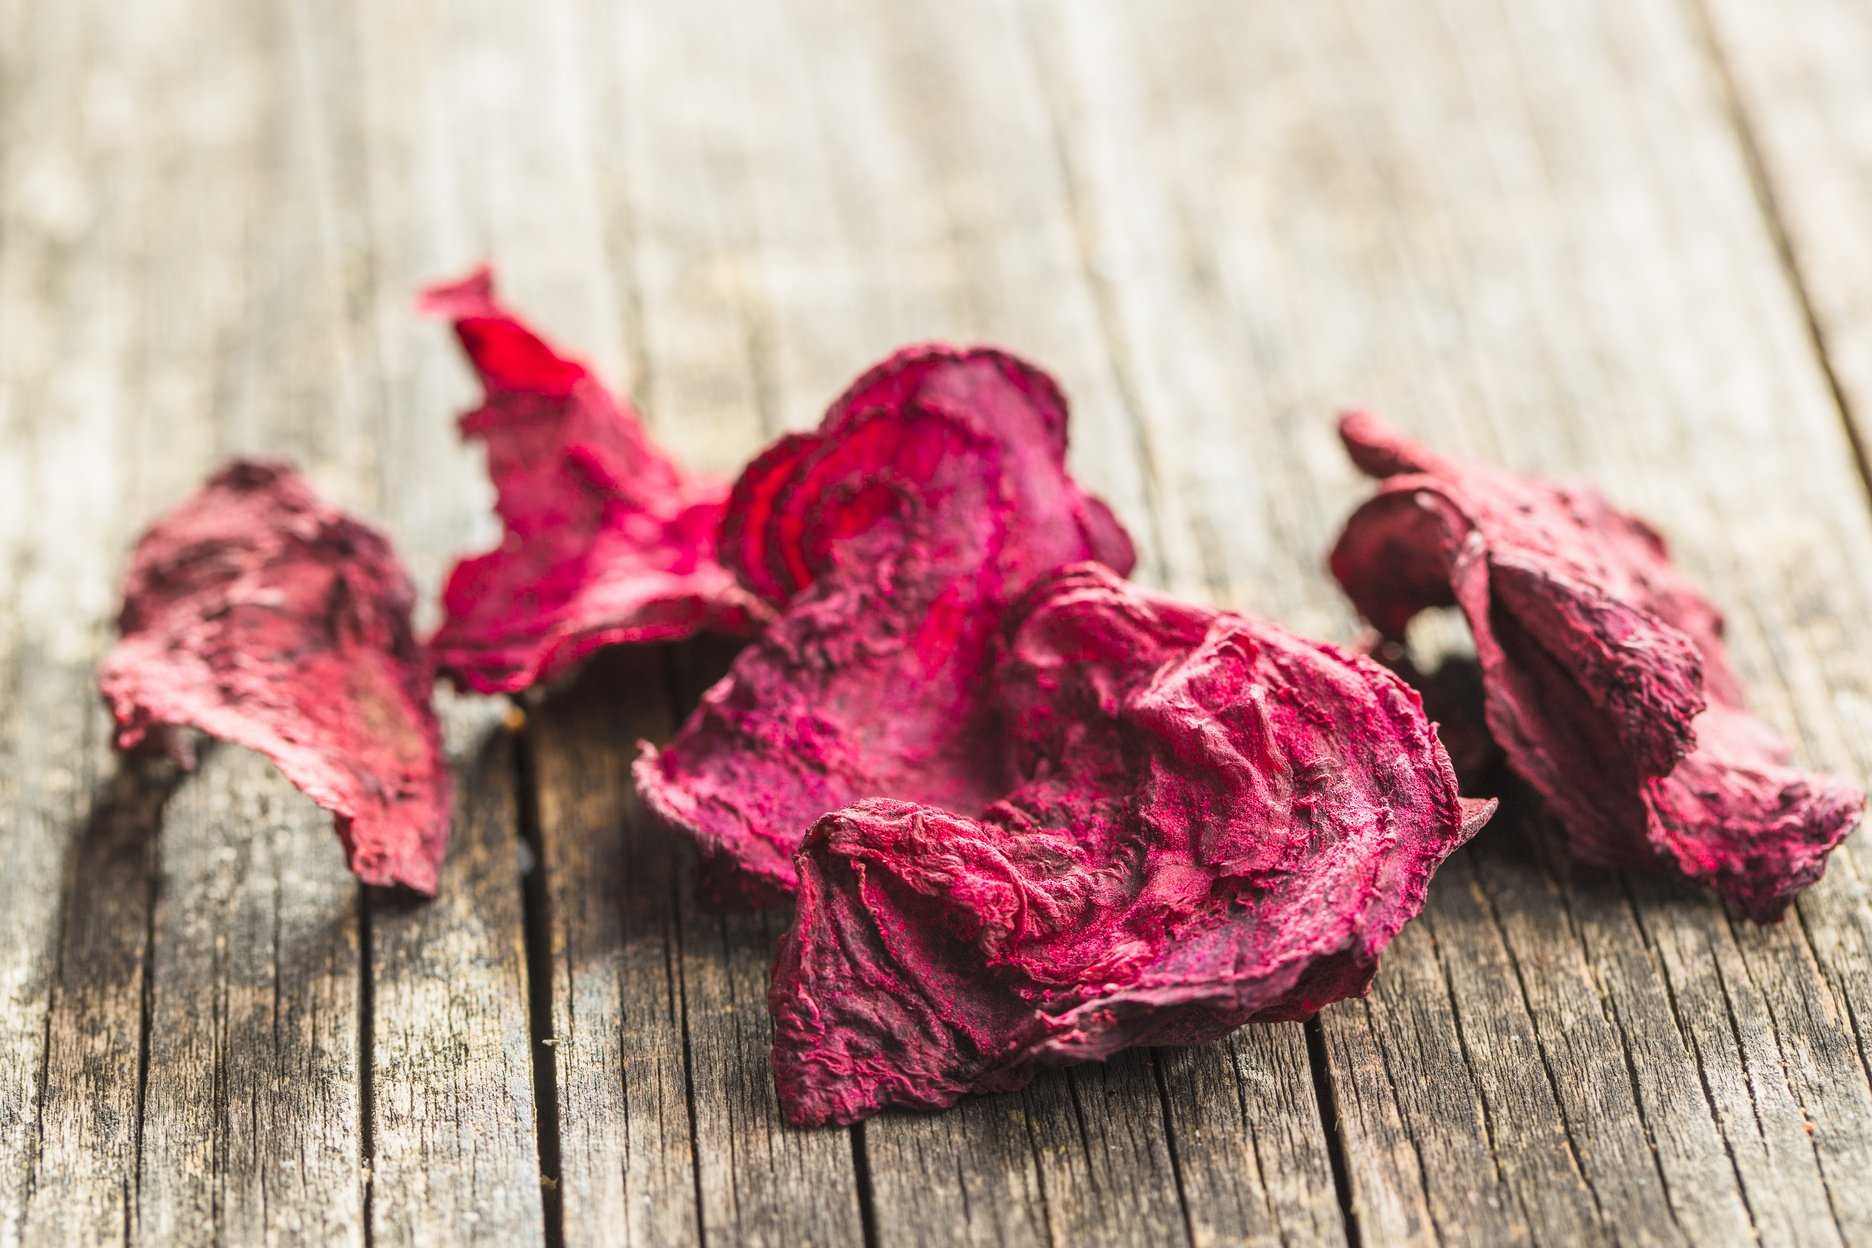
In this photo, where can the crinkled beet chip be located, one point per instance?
(1215, 822)
(606, 541)
(1606, 680)
(257, 614)
(934, 492)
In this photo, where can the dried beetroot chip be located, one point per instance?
(258, 614)
(1215, 822)
(933, 493)
(1606, 678)
(606, 541)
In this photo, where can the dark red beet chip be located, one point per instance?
(257, 614)
(892, 539)
(607, 542)
(1606, 680)
(1213, 822)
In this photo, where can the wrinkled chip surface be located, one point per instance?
(606, 542)
(1607, 683)
(1214, 822)
(260, 615)
(891, 539)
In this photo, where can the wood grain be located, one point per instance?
(246, 1095)
(77, 843)
(887, 222)
(254, 1115)
(450, 1117)
(1801, 104)
(614, 885)
(454, 1158)
(1615, 239)
(1499, 249)
(456, 1155)
(1803, 112)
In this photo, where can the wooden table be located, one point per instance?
(1626, 238)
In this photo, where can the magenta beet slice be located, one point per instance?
(607, 542)
(892, 539)
(258, 614)
(1213, 822)
(1606, 680)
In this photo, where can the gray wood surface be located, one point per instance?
(1628, 240)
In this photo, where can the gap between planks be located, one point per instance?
(536, 903)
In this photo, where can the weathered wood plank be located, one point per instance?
(251, 1130)
(914, 197)
(754, 1180)
(1248, 1155)
(1737, 1064)
(454, 1158)
(450, 1133)
(1802, 104)
(254, 1125)
(971, 1173)
(1796, 77)
(758, 1181)
(78, 984)
(454, 1133)
(623, 1138)
(1618, 1045)
(614, 887)
(792, 261)
(1489, 219)
(668, 1126)
(76, 847)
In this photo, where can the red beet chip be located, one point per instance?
(1215, 822)
(1452, 697)
(258, 614)
(1604, 671)
(934, 492)
(606, 541)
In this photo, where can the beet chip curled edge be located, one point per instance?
(1606, 680)
(258, 614)
(606, 541)
(1215, 822)
(933, 493)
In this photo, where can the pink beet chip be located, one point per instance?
(1606, 680)
(1213, 822)
(933, 493)
(607, 542)
(258, 614)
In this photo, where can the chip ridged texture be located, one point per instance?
(1215, 822)
(607, 542)
(260, 615)
(1606, 680)
(892, 539)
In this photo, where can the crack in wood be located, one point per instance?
(537, 925)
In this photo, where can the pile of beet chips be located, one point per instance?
(1027, 812)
